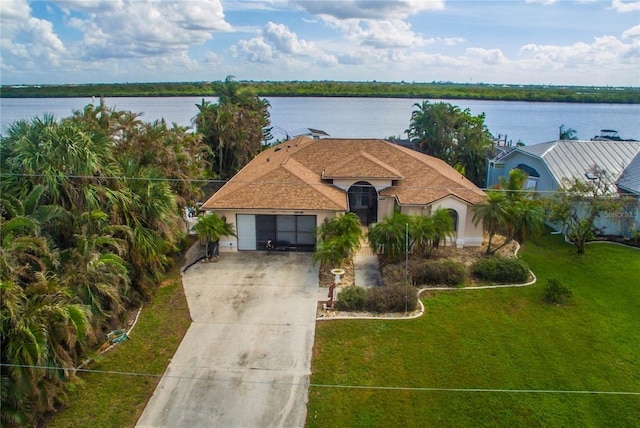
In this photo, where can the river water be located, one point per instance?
(529, 122)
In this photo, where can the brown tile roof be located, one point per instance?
(361, 165)
(289, 176)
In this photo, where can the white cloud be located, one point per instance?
(632, 33)
(254, 50)
(367, 9)
(147, 28)
(27, 41)
(543, 2)
(487, 56)
(603, 52)
(621, 6)
(277, 41)
(283, 39)
(384, 34)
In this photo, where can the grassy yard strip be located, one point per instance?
(113, 400)
(507, 339)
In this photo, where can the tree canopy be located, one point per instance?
(456, 136)
(90, 211)
(234, 128)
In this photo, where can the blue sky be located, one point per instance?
(563, 42)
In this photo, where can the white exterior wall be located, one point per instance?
(230, 243)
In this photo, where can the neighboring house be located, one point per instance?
(549, 164)
(288, 190)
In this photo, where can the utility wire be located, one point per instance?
(340, 386)
(281, 183)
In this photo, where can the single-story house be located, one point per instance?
(288, 190)
(549, 164)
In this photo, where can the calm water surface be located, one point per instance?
(528, 122)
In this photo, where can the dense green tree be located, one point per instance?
(94, 271)
(147, 208)
(456, 136)
(88, 217)
(40, 327)
(233, 128)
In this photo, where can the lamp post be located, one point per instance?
(337, 273)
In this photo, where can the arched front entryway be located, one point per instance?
(363, 201)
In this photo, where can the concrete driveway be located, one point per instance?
(245, 360)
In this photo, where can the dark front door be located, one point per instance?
(363, 201)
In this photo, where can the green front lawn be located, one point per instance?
(507, 339)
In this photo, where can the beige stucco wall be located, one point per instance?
(467, 234)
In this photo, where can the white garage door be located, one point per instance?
(246, 225)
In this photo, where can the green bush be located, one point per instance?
(390, 299)
(432, 272)
(501, 270)
(351, 299)
(556, 292)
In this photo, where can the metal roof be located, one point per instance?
(567, 159)
(630, 178)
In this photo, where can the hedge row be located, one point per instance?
(432, 272)
(501, 270)
(377, 299)
(449, 273)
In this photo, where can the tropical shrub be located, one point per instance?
(391, 299)
(447, 272)
(351, 299)
(337, 239)
(501, 270)
(556, 291)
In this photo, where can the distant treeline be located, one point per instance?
(434, 90)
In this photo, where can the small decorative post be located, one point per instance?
(337, 273)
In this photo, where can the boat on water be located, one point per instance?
(609, 135)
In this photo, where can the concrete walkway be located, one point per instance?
(366, 267)
(246, 359)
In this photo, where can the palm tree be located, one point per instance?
(234, 128)
(514, 185)
(422, 232)
(528, 218)
(147, 210)
(492, 214)
(443, 226)
(337, 239)
(389, 236)
(211, 227)
(41, 326)
(94, 270)
(567, 133)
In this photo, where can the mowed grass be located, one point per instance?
(118, 400)
(501, 339)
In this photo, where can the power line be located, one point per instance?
(339, 386)
(281, 183)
